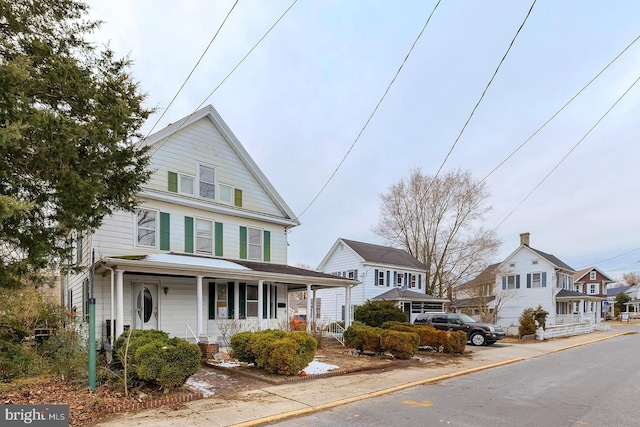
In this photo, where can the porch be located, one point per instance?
(198, 298)
(575, 307)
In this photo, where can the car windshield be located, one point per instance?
(466, 318)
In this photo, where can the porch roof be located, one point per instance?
(228, 269)
(568, 295)
(400, 294)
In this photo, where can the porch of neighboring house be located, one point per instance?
(575, 307)
(200, 299)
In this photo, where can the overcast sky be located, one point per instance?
(299, 100)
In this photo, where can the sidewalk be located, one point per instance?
(275, 402)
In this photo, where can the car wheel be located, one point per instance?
(478, 339)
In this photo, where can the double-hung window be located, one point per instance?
(207, 182)
(592, 275)
(204, 236)
(413, 280)
(592, 288)
(146, 227)
(511, 282)
(399, 279)
(226, 193)
(186, 184)
(252, 300)
(255, 244)
(536, 280)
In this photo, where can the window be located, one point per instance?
(79, 248)
(536, 280)
(207, 182)
(413, 280)
(146, 227)
(255, 244)
(511, 265)
(186, 184)
(204, 236)
(511, 282)
(535, 262)
(578, 288)
(592, 288)
(252, 300)
(380, 281)
(592, 275)
(399, 280)
(226, 193)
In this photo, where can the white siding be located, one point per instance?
(202, 143)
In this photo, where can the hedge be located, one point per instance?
(402, 345)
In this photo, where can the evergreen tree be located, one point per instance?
(68, 115)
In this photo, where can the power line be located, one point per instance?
(373, 112)
(567, 155)
(471, 114)
(560, 110)
(193, 69)
(186, 119)
(609, 259)
(484, 91)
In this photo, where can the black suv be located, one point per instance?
(478, 333)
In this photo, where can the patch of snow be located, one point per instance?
(229, 364)
(201, 386)
(316, 367)
(196, 261)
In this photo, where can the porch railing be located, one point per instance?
(188, 330)
(334, 330)
(565, 319)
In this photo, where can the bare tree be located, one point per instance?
(437, 221)
(631, 278)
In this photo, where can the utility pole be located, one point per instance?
(92, 326)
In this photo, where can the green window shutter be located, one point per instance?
(164, 232)
(212, 300)
(188, 234)
(173, 182)
(243, 300)
(265, 294)
(237, 198)
(243, 242)
(219, 249)
(230, 299)
(267, 247)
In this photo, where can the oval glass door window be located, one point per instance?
(148, 305)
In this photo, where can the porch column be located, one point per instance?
(119, 303)
(308, 307)
(347, 307)
(581, 311)
(260, 303)
(199, 328)
(598, 306)
(314, 308)
(236, 300)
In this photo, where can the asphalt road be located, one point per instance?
(593, 385)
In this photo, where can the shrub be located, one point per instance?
(456, 342)
(154, 358)
(402, 345)
(375, 313)
(65, 356)
(363, 338)
(14, 360)
(528, 320)
(276, 351)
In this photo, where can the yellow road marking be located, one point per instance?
(424, 403)
(584, 423)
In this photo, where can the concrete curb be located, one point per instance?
(329, 405)
(592, 341)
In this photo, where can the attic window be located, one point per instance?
(207, 182)
(534, 262)
(511, 265)
(592, 275)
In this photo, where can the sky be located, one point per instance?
(299, 100)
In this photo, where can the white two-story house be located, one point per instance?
(531, 278)
(384, 272)
(206, 247)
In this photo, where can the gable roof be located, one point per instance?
(369, 252)
(472, 302)
(487, 275)
(580, 274)
(400, 294)
(162, 136)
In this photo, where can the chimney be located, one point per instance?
(524, 239)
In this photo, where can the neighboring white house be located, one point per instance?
(207, 246)
(380, 269)
(529, 278)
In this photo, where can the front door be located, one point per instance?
(145, 305)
